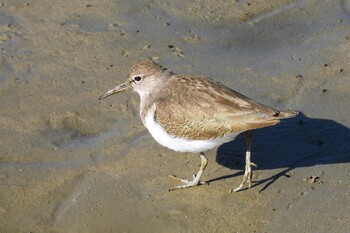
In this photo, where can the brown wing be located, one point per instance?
(200, 108)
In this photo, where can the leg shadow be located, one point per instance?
(294, 143)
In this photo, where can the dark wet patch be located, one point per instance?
(87, 24)
(64, 129)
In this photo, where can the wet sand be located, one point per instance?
(72, 163)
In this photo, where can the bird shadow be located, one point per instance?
(294, 143)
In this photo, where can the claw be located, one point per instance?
(196, 177)
(187, 183)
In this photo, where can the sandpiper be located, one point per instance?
(195, 114)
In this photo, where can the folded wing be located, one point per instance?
(207, 109)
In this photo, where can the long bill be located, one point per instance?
(123, 87)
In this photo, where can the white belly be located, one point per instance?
(179, 144)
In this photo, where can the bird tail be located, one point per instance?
(287, 114)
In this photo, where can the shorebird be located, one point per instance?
(195, 114)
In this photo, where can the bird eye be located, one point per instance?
(137, 78)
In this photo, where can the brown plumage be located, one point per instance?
(195, 114)
(215, 110)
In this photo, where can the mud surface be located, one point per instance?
(70, 163)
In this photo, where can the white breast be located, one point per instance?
(179, 144)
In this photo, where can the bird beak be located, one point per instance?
(123, 87)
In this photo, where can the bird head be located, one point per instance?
(145, 77)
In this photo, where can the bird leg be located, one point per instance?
(195, 181)
(247, 177)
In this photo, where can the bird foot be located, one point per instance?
(187, 183)
(247, 178)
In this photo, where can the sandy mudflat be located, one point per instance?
(70, 163)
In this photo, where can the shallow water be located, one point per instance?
(71, 163)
